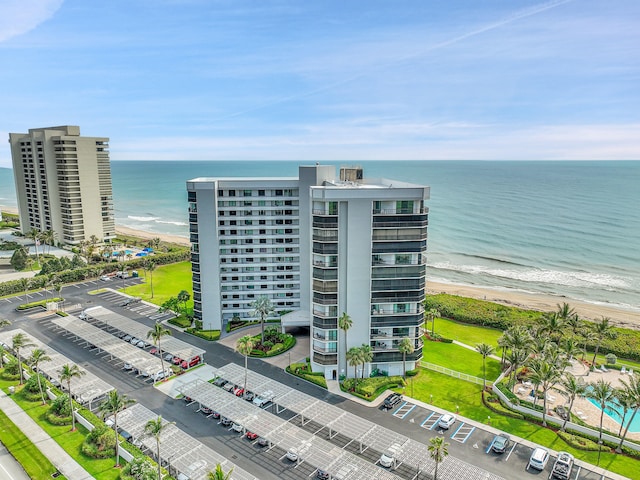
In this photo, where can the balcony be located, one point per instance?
(325, 359)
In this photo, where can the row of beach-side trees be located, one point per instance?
(543, 353)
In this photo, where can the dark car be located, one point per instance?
(249, 396)
(225, 422)
(219, 382)
(322, 475)
(392, 400)
(206, 410)
(562, 412)
(500, 443)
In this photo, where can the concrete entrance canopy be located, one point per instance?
(171, 345)
(297, 318)
(86, 389)
(144, 362)
(180, 452)
(311, 449)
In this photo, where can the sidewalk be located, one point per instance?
(49, 448)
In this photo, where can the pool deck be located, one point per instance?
(583, 408)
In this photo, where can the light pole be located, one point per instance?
(289, 355)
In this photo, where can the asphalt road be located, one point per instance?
(470, 445)
(10, 469)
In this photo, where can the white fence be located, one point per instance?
(452, 373)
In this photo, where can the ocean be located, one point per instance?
(562, 228)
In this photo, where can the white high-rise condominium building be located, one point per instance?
(317, 246)
(63, 183)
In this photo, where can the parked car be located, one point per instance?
(192, 363)
(446, 421)
(228, 386)
(105, 278)
(225, 422)
(215, 415)
(176, 360)
(134, 340)
(251, 435)
(127, 338)
(187, 399)
(500, 443)
(206, 410)
(141, 344)
(263, 442)
(168, 357)
(392, 400)
(263, 399)
(154, 351)
(218, 382)
(563, 467)
(236, 427)
(387, 460)
(127, 366)
(121, 334)
(322, 475)
(539, 458)
(249, 396)
(161, 375)
(238, 391)
(292, 454)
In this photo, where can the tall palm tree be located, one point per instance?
(625, 403)
(344, 324)
(565, 311)
(366, 355)
(603, 393)
(571, 347)
(154, 428)
(113, 405)
(431, 317)
(183, 297)
(632, 390)
(574, 323)
(156, 333)
(437, 451)
(68, 373)
(37, 356)
(18, 342)
(262, 307)
(34, 234)
(219, 474)
(405, 346)
(588, 337)
(353, 359)
(516, 359)
(546, 375)
(245, 346)
(485, 350)
(603, 330)
(571, 388)
(552, 325)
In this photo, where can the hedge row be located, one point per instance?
(211, 335)
(489, 314)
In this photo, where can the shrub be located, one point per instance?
(410, 373)
(181, 322)
(100, 442)
(31, 385)
(211, 335)
(611, 359)
(140, 468)
(60, 406)
(372, 387)
(580, 443)
(11, 370)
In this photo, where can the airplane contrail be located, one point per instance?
(524, 13)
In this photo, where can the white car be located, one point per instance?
(105, 278)
(446, 421)
(262, 399)
(539, 458)
(292, 454)
(387, 460)
(236, 427)
(160, 375)
(127, 366)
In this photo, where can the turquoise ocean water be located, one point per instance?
(562, 228)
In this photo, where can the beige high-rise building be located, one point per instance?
(63, 183)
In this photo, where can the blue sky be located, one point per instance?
(327, 80)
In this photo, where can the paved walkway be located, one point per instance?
(50, 449)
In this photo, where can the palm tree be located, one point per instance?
(184, 297)
(344, 324)
(626, 403)
(156, 243)
(588, 336)
(546, 375)
(19, 341)
(603, 329)
(514, 338)
(154, 428)
(574, 323)
(632, 391)
(262, 307)
(431, 317)
(68, 373)
(405, 346)
(156, 333)
(34, 234)
(113, 405)
(353, 359)
(516, 358)
(485, 350)
(552, 325)
(245, 346)
(571, 347)
(4, 323)
(572, 388)
(603, 393)
(366, 355)
(38, 355)
(219, 474)
(437, 451)
(565, 311)
(150, 266)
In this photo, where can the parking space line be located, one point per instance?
(578, 472)
(399, 408)
(400, 413)
(463, 433)
(515, 444)
(490, 445)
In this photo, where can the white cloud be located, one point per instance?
(21, 16)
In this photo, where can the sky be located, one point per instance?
(327, 80)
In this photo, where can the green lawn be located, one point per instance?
(460, 359)
(101, 469)
(450, 393)
(37, 466)
(168, 281)
(464, 333)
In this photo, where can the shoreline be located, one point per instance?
(513, 298)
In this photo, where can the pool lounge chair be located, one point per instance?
(604, 369)
(623, 370)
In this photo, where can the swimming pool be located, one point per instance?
(615, 416)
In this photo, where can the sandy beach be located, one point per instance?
(545, 303)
